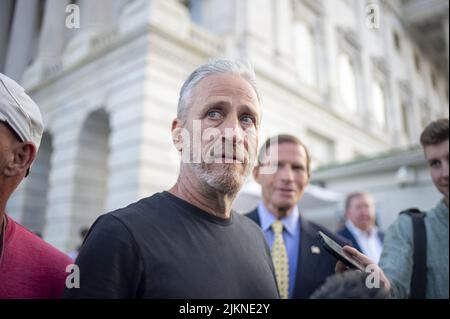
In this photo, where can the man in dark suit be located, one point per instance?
(301, 264)
(360, 226)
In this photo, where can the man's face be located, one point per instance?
(283, 189)
(228, 109)
(437, 158)
(361, 212)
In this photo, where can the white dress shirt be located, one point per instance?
(370, 243)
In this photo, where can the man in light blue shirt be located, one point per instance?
(291, 236)
(360, 225)
(283, 171)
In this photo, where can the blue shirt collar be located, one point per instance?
(290, 222)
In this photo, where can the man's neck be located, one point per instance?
(367, 231)
(278, 212)
(203, 197)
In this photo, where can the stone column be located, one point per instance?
(283, 28)
(5, 19)
(51, 41)
(21, 38)
(259, 25)
(58, 230)
(95, 17)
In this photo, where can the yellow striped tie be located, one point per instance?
(280, 260)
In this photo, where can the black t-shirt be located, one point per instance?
(163, 247)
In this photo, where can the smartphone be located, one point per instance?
(336, 250)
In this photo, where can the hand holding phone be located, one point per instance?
(336, 250)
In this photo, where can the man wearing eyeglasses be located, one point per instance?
(29, 267)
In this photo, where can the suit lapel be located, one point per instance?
(254, 216)
(307, 241)
(349, 235)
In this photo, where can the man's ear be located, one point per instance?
(308, 181)
(177, 136)
(23, 156)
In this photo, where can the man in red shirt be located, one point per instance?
(29, 267)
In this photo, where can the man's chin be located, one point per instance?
(239, 167)
(444, 191)
(226, 186)
(224, 178)
(228, 183)
(285, 206)
(284, 202)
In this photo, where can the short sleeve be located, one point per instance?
(109, 263)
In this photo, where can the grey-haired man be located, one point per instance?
(187, 242)
(29, 267)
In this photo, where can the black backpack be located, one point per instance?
(419, 275)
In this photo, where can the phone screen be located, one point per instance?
(336, 250)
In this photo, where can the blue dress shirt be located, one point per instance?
(291, 237)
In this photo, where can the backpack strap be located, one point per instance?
(419, 275)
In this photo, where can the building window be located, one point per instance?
(347, 83)
(397, 41)
(379, 104)
(39, 25)
(306, 54)
(322, 149)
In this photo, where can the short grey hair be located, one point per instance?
(213, 67)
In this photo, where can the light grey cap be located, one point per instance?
(20, 112)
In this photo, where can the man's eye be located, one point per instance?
(247, 119)
(434, 163)
(215, 115)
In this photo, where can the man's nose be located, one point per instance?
(445, 169)
(232, 130)
(286, 173)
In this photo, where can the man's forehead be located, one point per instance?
(365, 198)
(285, 153)
(225, 86)
(5, 129)
(287, 149)
(437, 150)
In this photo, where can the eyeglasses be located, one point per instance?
(19, 107)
